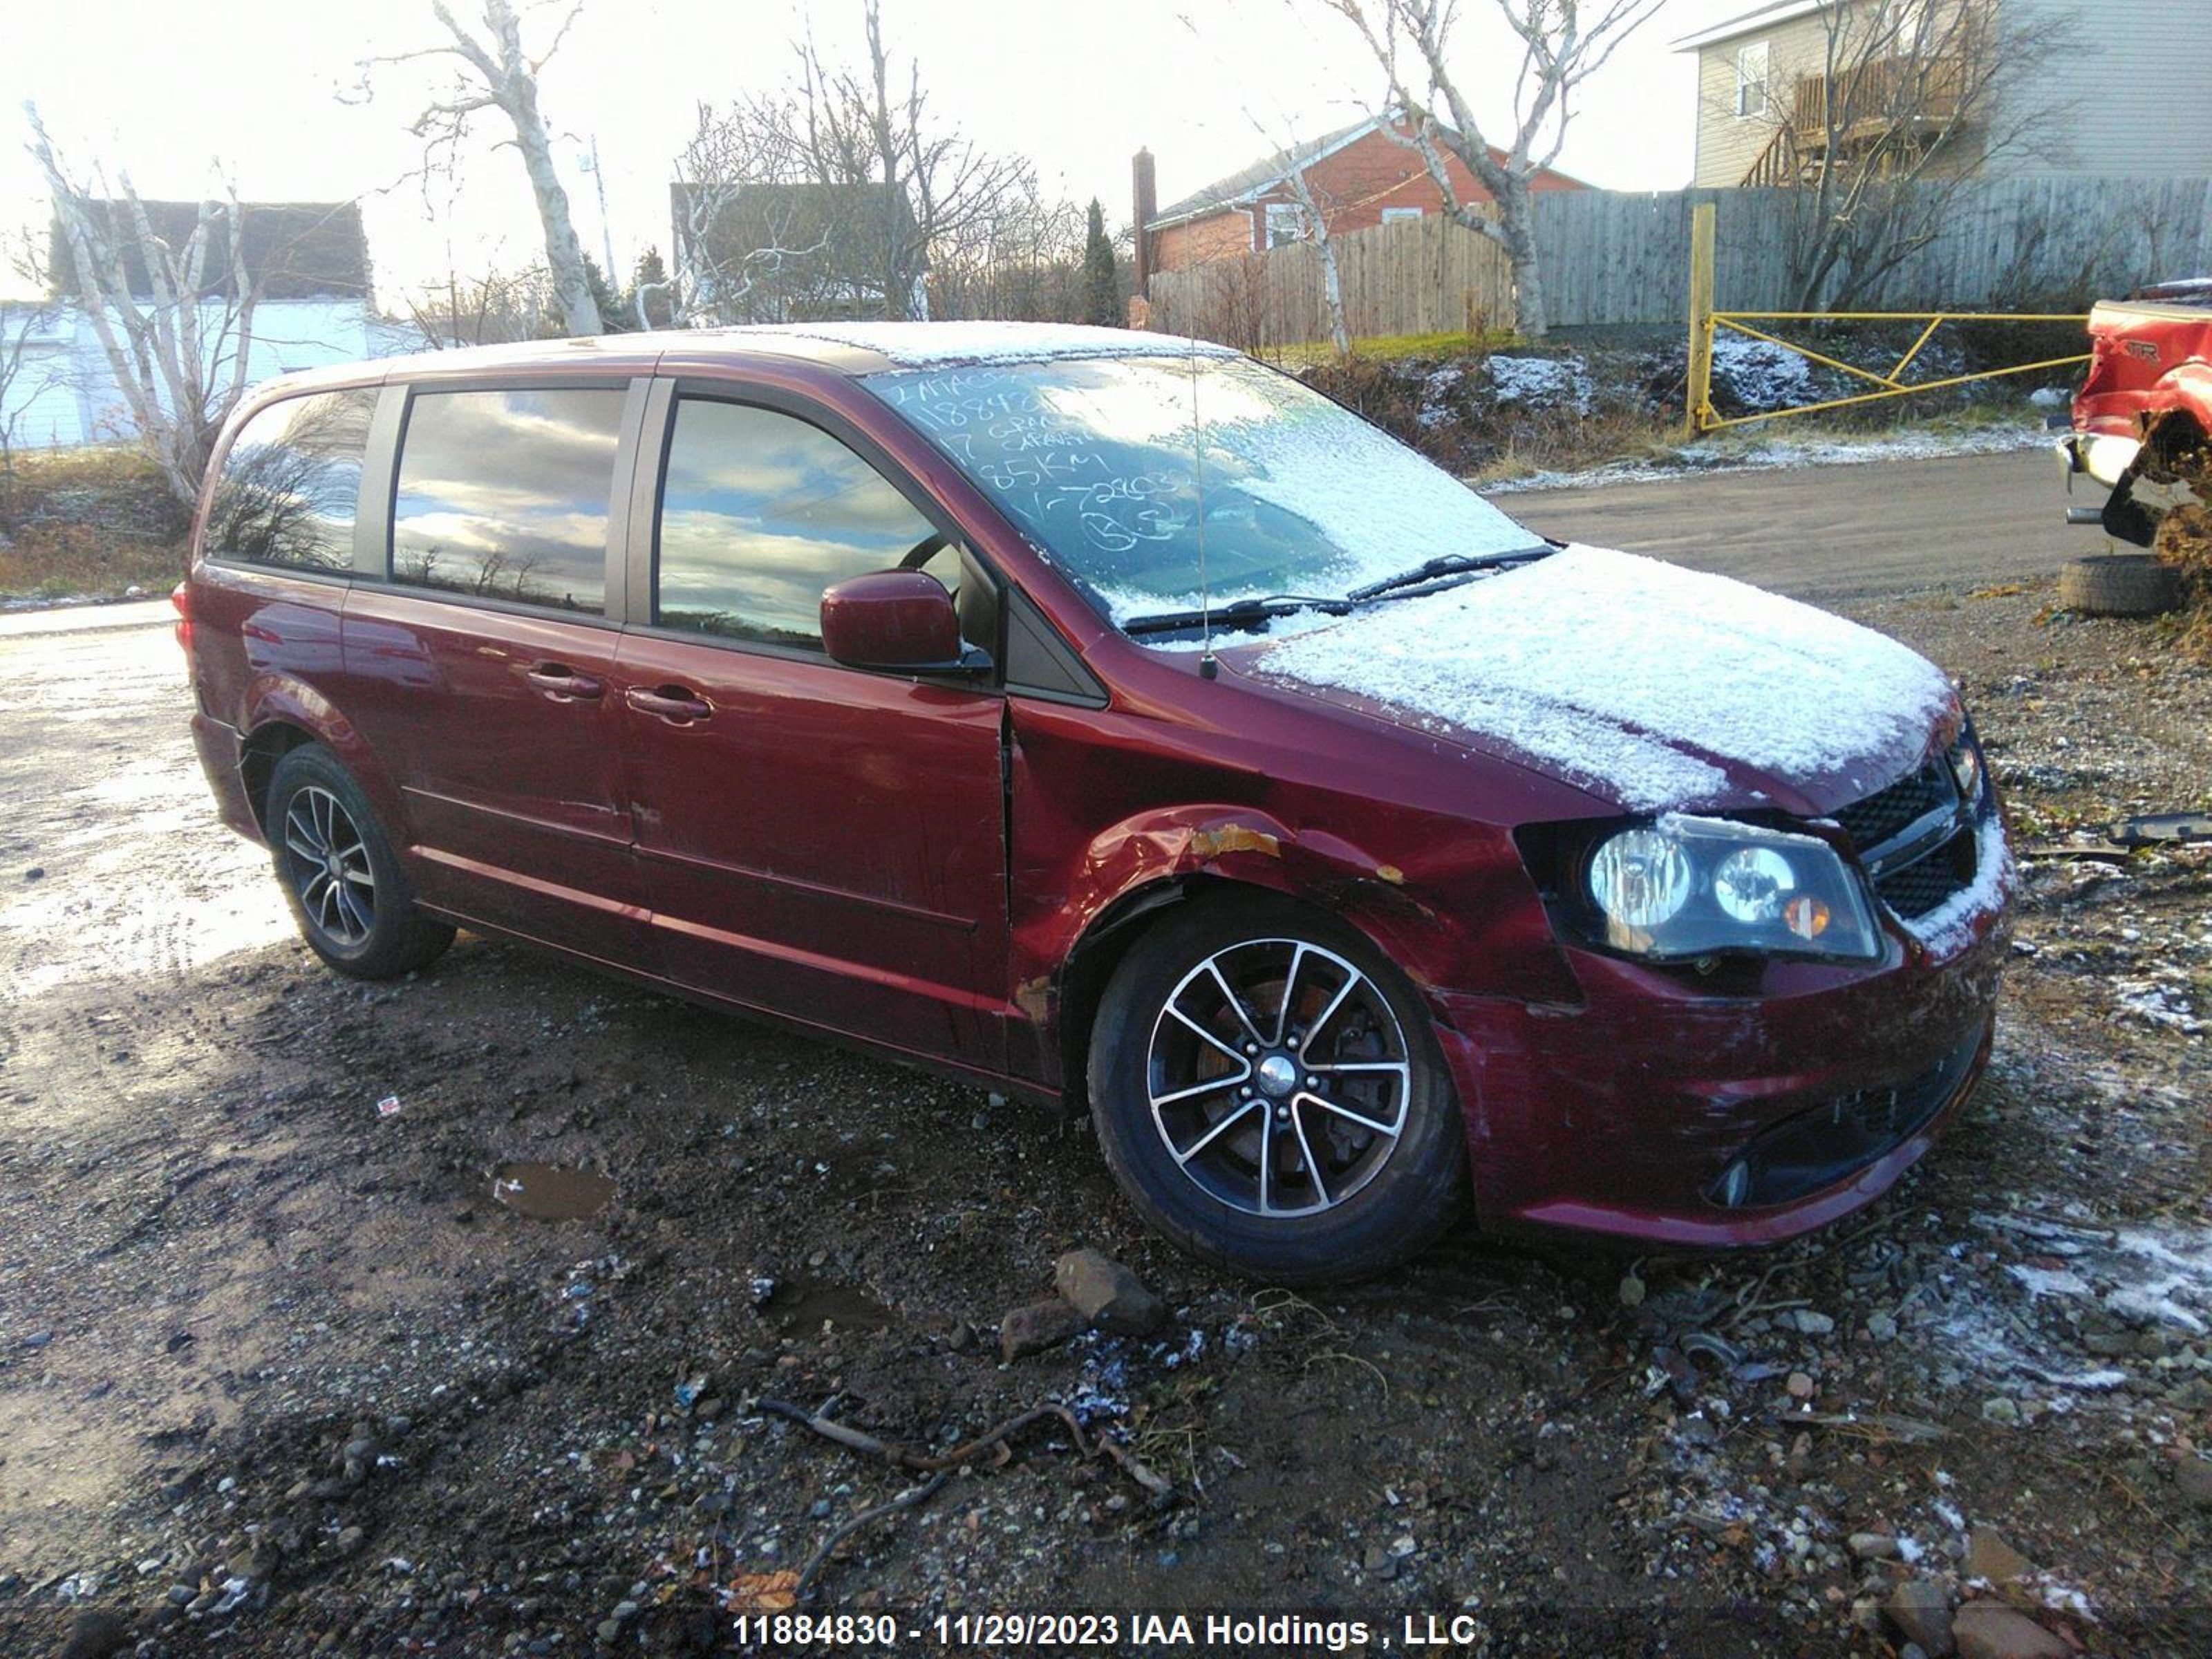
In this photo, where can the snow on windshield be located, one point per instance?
(1095, 460)
(1607, 667)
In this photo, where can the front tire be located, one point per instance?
(343, 882)
(1270, 1095)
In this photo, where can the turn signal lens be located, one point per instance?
(1808, 918)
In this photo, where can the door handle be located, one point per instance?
(563, 683)
(676, 704)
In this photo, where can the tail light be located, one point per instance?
(181, 597)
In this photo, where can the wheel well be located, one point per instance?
(1091, 963)
(257, 757)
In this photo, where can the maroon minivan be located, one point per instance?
(1100, 717)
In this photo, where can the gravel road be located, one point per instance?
(1832, 532)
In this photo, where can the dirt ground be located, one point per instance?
(278, 1375)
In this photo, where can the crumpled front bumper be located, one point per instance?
(1625, 1114)
(2102, 456)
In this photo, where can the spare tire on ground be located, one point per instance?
(2118, 585)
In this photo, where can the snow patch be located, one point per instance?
(1733, 454)
(1625, 674)
(1547, 382)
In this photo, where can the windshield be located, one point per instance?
(1093, 459)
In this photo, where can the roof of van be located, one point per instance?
(848, 348)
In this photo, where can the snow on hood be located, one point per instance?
(1637, 680)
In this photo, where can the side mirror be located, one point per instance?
(895, 619)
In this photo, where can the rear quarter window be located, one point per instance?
(291, 482)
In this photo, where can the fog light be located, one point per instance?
(1734, 1185)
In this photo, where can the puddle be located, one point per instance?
(551, 1192)
(805, 1304)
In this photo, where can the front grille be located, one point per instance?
(1911, 890)
(1835, 1140)
(1920, 887)
(1890, 811)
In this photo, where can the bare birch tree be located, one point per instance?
(847, 183)
(494, 71)
(1562, 42)
(178, 351)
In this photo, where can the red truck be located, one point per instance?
(2142, 416)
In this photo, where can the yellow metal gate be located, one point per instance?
(1705, 323)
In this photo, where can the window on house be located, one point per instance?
(1286, 223)
(1391, 215)
(1750, 79)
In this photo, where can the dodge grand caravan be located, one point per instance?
(1104, 718)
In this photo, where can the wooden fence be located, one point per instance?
(1424, 276)
(1613, 257)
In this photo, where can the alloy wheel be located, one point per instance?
(328, 863)
(1278, 1077)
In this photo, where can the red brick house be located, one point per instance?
(1359, 176)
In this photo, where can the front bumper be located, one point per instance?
(1626, 1115)
(2102, 456)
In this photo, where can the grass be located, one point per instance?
(88, 523)
(1393, 348)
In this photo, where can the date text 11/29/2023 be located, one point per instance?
(1250, 1634)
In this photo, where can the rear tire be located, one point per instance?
(343, 882)
(1301, 1128)
(2118, 585)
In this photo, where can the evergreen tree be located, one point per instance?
(1101, 289)
(651, 278)
(617, 315)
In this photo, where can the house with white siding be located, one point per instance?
(2109, 91)
(309, 262)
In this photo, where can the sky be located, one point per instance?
(270, 94)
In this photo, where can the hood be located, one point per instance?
(1654, 688)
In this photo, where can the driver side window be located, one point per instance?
(760, 512)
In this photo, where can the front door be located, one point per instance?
(482, 675)
(822, 843)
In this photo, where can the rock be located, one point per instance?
(1873, 1545)
(1632, 1290)
(1882, 1327)
(1108, 1295)
(624, 1611)
(1998, 1409)
(350, 1540)
(1039, 1326)
(1989, 1557)
(2193, 1475)
(1800, 1385)
(95, 1634)
(1984, 1630)
(1920, 1610)
(609, 1629)
(1807, 1322)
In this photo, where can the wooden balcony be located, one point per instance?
(1912, 97)
(1893, 106)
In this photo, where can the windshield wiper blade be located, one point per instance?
(1448, 564)
(1238, 614)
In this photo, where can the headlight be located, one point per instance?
(1967, 769)
(1690, 887)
